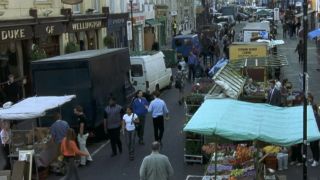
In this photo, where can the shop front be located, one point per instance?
(86, 31)
(161, 17)
(138, 34)
(48, 35)
(15, 37)
(117, 30)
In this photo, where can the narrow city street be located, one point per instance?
(120, 168)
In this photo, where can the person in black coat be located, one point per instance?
(12, 90)
(315, 144)
(274, 95)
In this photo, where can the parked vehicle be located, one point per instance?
(254, 31)
(229, 11)
(91, 75)
(183, 44)
(149, 72)
(226, 19)
(243, 16)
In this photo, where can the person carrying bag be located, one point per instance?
(129, 130)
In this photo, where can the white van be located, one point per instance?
(149, 72)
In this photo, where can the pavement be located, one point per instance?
(120, 168)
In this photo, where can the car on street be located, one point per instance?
(226, 19)
(243, 17)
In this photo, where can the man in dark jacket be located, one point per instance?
(12, 90)
(274, 95)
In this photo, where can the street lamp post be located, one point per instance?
(132, 34)
(305, 88)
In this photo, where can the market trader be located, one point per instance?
(158, 108)
(274, 95)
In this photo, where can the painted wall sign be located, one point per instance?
(16, 33)
(85, 25)
(49, 29)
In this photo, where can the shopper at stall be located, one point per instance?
(159, 109)
(274, 95)
(155, 166)
(296, 156)
(112, 125)
(140, 107)
(59, 128)
(83, 134)
(5, 142)
(315, 144)
(69, 151)
(192, 63)
(179, 83)
(129, 128)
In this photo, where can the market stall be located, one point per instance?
(258, 72)
(243, 121)
(37, 139)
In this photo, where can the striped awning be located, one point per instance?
(269, 61)
(232, 80)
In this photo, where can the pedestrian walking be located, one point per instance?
(296, 156)
(284, 30)
(129, 127)
(179, 83)
(5, 136)
(83, 134)
(140, 107)
(192, 62)
(299, 49)
(159, 109)
(156, 166)
(70, 150)
(112, 125)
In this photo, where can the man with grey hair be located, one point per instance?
(155, 166)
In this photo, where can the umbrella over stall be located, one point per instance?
(313, 34)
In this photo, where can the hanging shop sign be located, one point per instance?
(117, 20)
(49, 29)
(85, 25)
(247, 51)
(16, 33)
(71, 2)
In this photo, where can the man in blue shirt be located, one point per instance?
(192, 63)
(158, 108)
(140, 107)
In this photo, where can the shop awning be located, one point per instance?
(152, 22)
(270, 61)
(228, 81)
(314, 33)
(241, 121)
(33, 107)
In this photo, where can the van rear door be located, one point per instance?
(138, 76)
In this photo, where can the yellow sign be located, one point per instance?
(247, 51)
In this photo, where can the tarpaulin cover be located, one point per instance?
(33, 107)
(239, 121)
(314, 33)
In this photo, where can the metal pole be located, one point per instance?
(305, 31)
(131, 8)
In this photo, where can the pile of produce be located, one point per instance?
(203, 86)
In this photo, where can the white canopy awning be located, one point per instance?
(33, 107)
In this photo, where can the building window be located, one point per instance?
(96, 5)
(122, 4)
(111, 5)
(76, 9)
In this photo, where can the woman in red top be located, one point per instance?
(70, 150)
